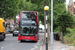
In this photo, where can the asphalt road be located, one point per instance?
(12, 43)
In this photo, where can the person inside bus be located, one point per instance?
(32, 17)
(27, 32)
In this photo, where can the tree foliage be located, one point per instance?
(12, 8)
(8, 8)
(65, 20)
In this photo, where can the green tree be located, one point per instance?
(8, 8)
(12, 8)
(65, 20)
(58, 10)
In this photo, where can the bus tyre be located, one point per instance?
(3, 38)
(21, 40)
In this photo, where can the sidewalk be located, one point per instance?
(58, 45)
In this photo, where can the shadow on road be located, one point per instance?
(1, 40)
(27, 42)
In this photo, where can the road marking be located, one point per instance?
(57, 49)
(11, 44)
(1, 48)
(41, 48)
(7, 46)
(35, 46)
(63, 49)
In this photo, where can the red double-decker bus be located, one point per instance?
(28, 26)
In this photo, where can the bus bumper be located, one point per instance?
(27, 38)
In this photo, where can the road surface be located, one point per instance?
(12, 43)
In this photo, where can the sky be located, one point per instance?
(67, 1)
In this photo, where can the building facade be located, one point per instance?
(71, 7)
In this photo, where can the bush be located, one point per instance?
(58, 30)
(70, 37)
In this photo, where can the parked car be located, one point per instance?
(40, 30)
(15, 33)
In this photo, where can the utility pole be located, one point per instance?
(46, 8)
(51, 24)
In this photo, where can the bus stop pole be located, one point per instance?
(46, 8)
(51, 24)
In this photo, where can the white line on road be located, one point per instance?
(58, 49)
(7, 46)
(1, 48)
(11, 44)
(35, 46)
(41, 48)
(63, 49)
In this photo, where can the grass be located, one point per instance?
(70, 37)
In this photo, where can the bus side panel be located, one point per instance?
(1, 26)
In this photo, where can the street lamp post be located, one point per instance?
(52, 36)
(46, 8)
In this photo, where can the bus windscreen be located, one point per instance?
(28, 31)
(28, 23)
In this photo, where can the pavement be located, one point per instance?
(58, 45)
